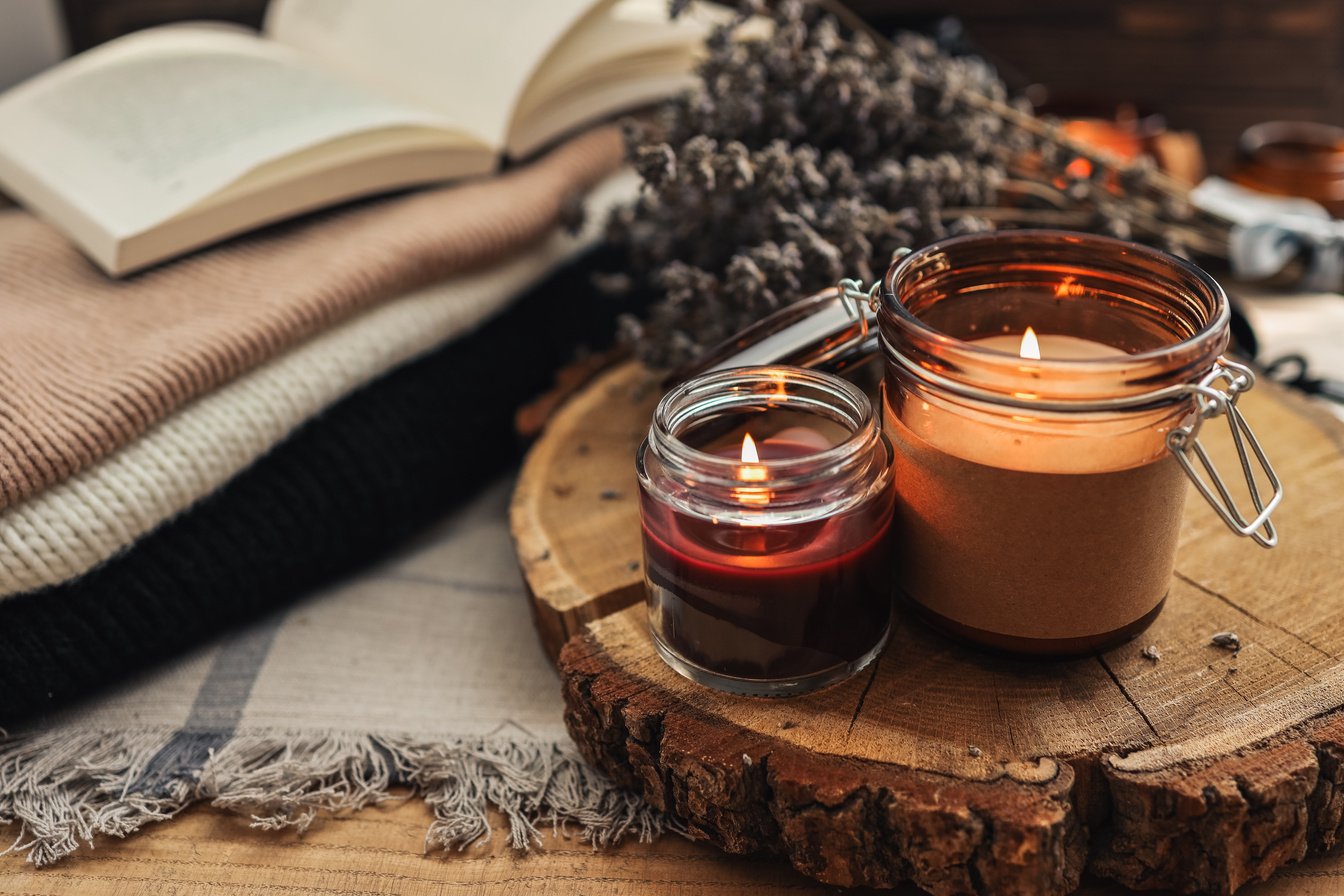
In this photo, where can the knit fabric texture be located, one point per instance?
(343, 489)
(67, 529)
(87, 364)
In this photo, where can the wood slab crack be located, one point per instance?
(1129, 698)
(1249, 615)
(863, 695)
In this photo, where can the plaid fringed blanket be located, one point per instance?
(423, 672)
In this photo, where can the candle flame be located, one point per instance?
(1031, 346)
(752, 471)
(749, 455)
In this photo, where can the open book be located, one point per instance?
(175, 137)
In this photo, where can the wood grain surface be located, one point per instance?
(575, 516)
(1206, 769)
(379, 852)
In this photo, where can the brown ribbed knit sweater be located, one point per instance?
(88, 363)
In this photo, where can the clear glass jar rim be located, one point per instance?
(1212, 329)
(680, 404)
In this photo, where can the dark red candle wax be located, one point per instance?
(780, 600)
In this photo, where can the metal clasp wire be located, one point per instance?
(860, 300)
(1212, 401)
(858, 297)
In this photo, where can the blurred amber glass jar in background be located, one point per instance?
(1294, 158)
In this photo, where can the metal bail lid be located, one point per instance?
(828, 330)
(834, 330)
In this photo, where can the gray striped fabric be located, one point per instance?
(424, 671)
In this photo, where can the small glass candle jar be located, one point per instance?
(766, 503)
(1039, 502)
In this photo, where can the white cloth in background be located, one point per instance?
(1310, 324)
(1307, 323)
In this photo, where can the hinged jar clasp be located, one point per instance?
(1215, 400)
(869, 298)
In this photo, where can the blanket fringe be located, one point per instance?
(64, 790)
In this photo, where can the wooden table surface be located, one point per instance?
(207, 852)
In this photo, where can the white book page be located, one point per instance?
(627, 29)
(144, 127)
(624, 55)
(467, 59)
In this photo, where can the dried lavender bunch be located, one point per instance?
(811, 155)
(801, 159)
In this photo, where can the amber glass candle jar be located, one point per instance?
(1038, 501)
(766, 504)
(1294, 158)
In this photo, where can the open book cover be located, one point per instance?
(176, 137)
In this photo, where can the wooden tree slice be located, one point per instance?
(575, 510)
(962, 771)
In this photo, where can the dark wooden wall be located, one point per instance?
(1210, 66)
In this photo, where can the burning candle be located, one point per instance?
(1052, 346)
(1038, 503)
(766, 506)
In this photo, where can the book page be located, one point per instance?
(466, 59)
(627, 29)
(622, 55)
(141, 128)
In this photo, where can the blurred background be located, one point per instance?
(1207, 67)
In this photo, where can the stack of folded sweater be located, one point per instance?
(184, 449)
